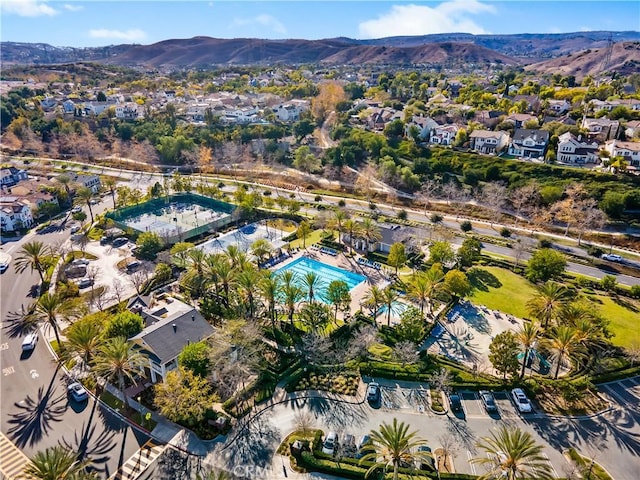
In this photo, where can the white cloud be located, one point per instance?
(451, 16)
(126, 35)
(73, 8)
(263, 19)
(27, 8)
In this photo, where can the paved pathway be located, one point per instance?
(12, 460)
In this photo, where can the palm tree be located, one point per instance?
(369, 231)
(110, 184)
(374, 299)
(86, 195)
(35, 256)
(65, 181)
(260, 249)
(51, 309)
(527, 335)
(304, 230)
(564, 341)
(83, 339)
(247, 281)
(393, 446)
(511, 454)
(116, 360)
(311, 282)
(337, 222)
(425, 287)
(269, 287)
(57, 463)
(389, 296)
(548, 302)
(352, 229)
(291, 293)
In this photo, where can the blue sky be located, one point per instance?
(93, 23)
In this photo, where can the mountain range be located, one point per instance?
(553, 50)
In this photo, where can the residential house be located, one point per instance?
(532, 102)
(170, 325)
(48, 103)
(630, 151)
(559, 107)
(128, 111)
(632, 129)
(486, 141)
(601, 129)
(14, 214)
(11, 175)
(241, 115)
(632, 104)
(564, 119)
(529, 143)
(488, 118)
(90, 181)
(32, 193)
(96, 108)
(444, 134)
(290, 111)
(574, 150)
(519, 119)
(425, 126)
(68, 106)
(381, 117)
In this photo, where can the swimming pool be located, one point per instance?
(397, 309)
(326, 273)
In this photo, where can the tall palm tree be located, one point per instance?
(110, 184)
(34, 255)
(311, 282)
(269, 287)
(261, 249)
(389, 296)
(86, 195)
(369, 231)
(373, 300)
(424, 288)
(57, 463)
(304, 230)
(393, 445)
(511, 454)
(352, 228)
(527, 335)
(337, 222)
(83, 339)
(51, 309)
(225, 273)
(564, 341)
(116, 360)
(291, 292)
(548, 302)
(247, 282)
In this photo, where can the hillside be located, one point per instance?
(625, 59)
(204, 51)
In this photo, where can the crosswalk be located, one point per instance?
(12, 460)
(139, 461)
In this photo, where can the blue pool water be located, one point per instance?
(397, 309)
(326, 273)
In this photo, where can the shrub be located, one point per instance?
(466, 226)
(317, 198)
(608, 283)
(635, 291)
(341, 203)
(435, 218)
(544, 243)
(402, 214)
(505, 232)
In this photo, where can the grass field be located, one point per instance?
(624, 317)
(501, 289)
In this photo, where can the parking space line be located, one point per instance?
(471, 464)
(553, 470)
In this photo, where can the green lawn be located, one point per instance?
(314, 237)
(624, 317)
(501, 289)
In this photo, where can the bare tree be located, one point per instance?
(450, 191)
(317, 349)
(93, 272)
(588, 217)
(362, 339)
(304, 421)
(118, 289)
(137, 280)
(406, 352)
(441, 380)
(520, 247)
(524, 199)
(427, 189)
(494, 197)
(99, 297)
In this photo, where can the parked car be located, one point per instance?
(30, 342)
(77, 392)
(455, 404)
(612, 257)
(373, 393)
(348, 445)
(364, 446)
(80, 261)
(488, 400)
(120, 241)
(521, 400)
(425, 459)
(330, 443)
(75, 229)
(4, 266)
(104, 240)
(133, 266)
(85, 282)
(76, 209)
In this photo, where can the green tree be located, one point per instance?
(85, 195)
(34, 255)
(512, 454)
(527, 336)
(268, 288)
(305, 160)
(261, 249)
(338, 295)
(51, 309)
(412, 326)
(469, 252)
(149, 244)
(441, 252)
(548, 302)
(545, 264)
(124, 324)
(457, 283)
(564, 341)
(83, 339)
(195, 357)
(504, 349)
(608, 283)
(183, 396)
(110, 184)
(117, 359)
(393, 445)
(303, 232)
(397, 256)
(389, 297)
(315, 316)
(57, 463)
(613, 204)
(180, 253)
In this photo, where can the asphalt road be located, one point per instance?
(35, 410)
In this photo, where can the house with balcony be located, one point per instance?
(425, 126)
(574, 150)
(170, 325)
(444, 134)
(91, 182)
(488, 141)
(527, 143)
(601, 129)
(11, 175)
(291, 111)
(15, 214)
(128, 111)
(630, 151)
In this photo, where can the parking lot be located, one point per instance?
(623, 392)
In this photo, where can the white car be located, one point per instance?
(612, 257)
(4, 266)
(521, 400)
(76, 209)
(77, 392)
(75, 229)
(30, 342)
(330, 443)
